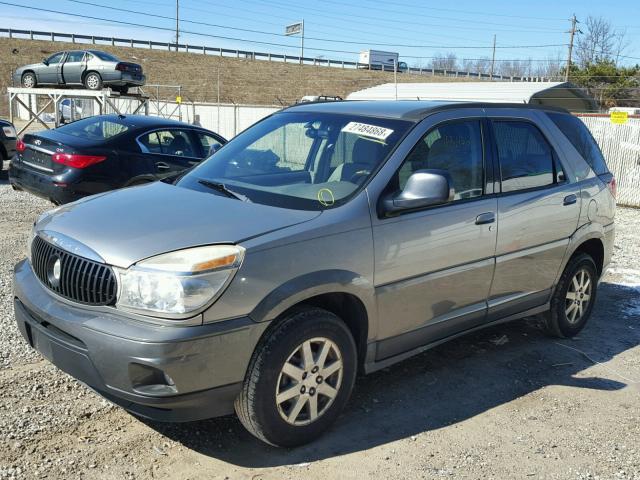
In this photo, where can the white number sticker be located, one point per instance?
(366, 130)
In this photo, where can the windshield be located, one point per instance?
(309, 161)
(105, 56)
(95, 128)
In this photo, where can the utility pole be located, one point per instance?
(177, 23)
(572, 33)
(493, 58)
(302, 44)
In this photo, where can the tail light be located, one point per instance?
(613, 186)
(77, 161)
(20, 146)
(123, 67)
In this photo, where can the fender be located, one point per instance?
(312, 284)
(588, 231)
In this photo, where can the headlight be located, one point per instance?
(178, 283)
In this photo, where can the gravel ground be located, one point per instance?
(503, 403)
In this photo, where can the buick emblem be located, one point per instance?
(54, 271)
(37, 142)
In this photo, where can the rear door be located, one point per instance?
(538, 210)
(171, 150)
(73, 67)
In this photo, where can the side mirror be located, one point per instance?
(214, 148)
(45, 61)
(424, 188)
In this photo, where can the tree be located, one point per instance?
(599, 41)
(447, 61)
(611, 86)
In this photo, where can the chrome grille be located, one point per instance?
(80, 279)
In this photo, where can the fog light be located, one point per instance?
(149, 380)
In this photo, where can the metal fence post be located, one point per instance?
(31, 34)
(53, 36)
(10, 34)
(73, 38)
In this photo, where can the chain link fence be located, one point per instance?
(620, 144)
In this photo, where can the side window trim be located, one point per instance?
(555, 158)
(486, 163)
(144, 149)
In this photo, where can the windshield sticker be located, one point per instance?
(325, 197)
(366, 130)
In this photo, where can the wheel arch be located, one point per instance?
(342, 293)
(87, 72)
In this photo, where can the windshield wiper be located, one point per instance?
(222, 188)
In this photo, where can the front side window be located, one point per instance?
(526, 158)
(168, 142)
(55, 58)
(208, 143)
(301, 160)
(455, 147)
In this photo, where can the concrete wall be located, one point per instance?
(240, 80)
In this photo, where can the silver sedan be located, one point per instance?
(91, 68)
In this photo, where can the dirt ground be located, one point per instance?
(507, 402)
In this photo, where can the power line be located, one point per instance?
(261, 32)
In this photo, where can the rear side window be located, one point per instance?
(526, 158)
(96, 128)
(580, 137)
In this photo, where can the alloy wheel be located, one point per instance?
(578, 296)
(92, 82)
(309, 381)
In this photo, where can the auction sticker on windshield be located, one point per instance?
(367, 130)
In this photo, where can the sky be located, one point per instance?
(336, 29)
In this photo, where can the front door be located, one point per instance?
(433, 267)
(538, 211)
(50, 73)
(73, 67)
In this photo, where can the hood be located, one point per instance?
(129, 225)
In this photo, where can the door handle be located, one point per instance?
(570, 199)
(162, 166)
(485, 218)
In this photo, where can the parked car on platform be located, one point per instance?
(7, 141)
(326, 239)
(91, 68)
(106, 152)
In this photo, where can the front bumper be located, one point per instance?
(164, 373)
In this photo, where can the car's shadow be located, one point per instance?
(448, 384)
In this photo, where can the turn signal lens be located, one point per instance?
(77, 161)
(613, 187)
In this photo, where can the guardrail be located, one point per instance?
(252, 55)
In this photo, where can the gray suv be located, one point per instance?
(91, 68)
(327, 239)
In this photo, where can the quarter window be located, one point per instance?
(526, 158)
(455, 147)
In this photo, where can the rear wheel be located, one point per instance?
(122, 90)
(93, 81)
(29, 80)
(574, 297)
(299, 379)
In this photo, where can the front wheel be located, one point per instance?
(573, 299)
(299, 378)
(93, 81)
(29, 80)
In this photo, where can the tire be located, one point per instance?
(29, 80)
(570, 310)
(121, 90)
(93, 81)
(282, 348)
